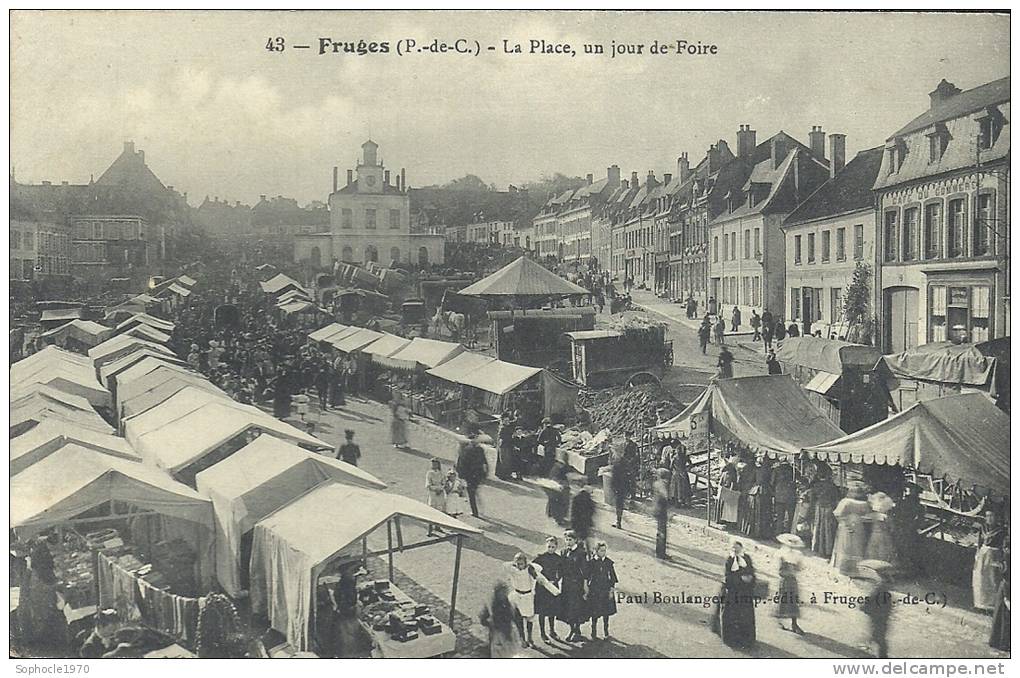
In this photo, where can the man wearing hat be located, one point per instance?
(349, 452)
(472, 466)
(549, 438)
(878, 604)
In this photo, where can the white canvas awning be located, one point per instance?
(258, 479)
(460, 365)
(822, 382)
(65, 377)
(420, 354)
(53, 434)
(121, 345)
(129, 389)
(356, 340)
(185, 401)
(385, 346)
(145, 319)
(323, 332)
(109, 371)
(291, 547)
(148, 333)
(499, 377)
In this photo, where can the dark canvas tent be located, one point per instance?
(961, 437)
(933, 370)
(771, 413)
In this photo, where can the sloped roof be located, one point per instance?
(968, 101)
(386, 345)
(961, 437)
(828, 355)
(324, 332)
(770, 412)
(944, 362)
(53, 434)
(523, 277)
(280, 282)
(460, 365)
(848, 191)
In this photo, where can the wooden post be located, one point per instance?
(708, 482)
(389, 545)
(456, 578)
(400, 534)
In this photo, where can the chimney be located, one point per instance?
(713, 159)
(141, 157)
(336, 178)
(943, 91)
(129, 147)
(650, 181)
(262, 198)
(745, 141)
(633, 179)
(816, 142)
(683, 167)
(666, 178)
(403, 179)
(837, 153)
(350, 177)
(778, 149)
(386, 178)
(237, 203)
(63, 183)
(169, 188)
(47, 183)
(613, 174)
(590, 178)
(625, 184)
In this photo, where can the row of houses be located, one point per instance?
(921, 221)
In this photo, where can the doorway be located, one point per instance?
(900, 319)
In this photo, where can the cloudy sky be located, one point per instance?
(217, 114)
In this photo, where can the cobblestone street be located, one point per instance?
(514, 520)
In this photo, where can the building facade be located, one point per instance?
(944, 221)
(827, 238)
(370, 220)
(747, 250)
(40, 249)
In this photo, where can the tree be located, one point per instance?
(857, 305)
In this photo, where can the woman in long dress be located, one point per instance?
(789, 588)
(602, 582)
(679, 480)
(573, 607)
(880, 541)
(824, 496)
(398, 424)
(987, 563)
(851, 535)
(1000, 638)
(498, 617)
(435, 490)
(736, 609)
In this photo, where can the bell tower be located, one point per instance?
(370, 170)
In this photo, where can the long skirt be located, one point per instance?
(504, 462)
(789, 598)
(680, 487)
(736, 619)
(1000, 625)
(437, 499)
(880, 543)
(727, 506)
(851, 542)
(986, 578)
(503, 644)
(823, 532)
(574, 609)
(558, 504)
(398, 431)
(547, 603)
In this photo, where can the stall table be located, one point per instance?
(422, 647)
(587, 465)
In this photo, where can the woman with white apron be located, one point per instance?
(987, 573)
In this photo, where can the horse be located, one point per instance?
(455, 323)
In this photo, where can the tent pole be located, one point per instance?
(456, 579)
(389, 545)
(708, 482)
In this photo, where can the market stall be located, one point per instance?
(144, 319)
(36, 409)
(281, 283)
(163, 384)
(292, 295)
(403, 373)
(146, 360)
(292, 552)
(447, 392)
(258, 479)
(51, 435)
(88, 503)
(120, 346)
(767, 415)
(840, 378)
(938, 369)
(324, 333)
(499, 387)
(77, 335)
(148, 333)
(54, 318)
(185, 401)
(60, 373)
(210, 434)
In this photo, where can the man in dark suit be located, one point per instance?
(472, 467)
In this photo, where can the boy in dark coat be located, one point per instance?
(573, 585)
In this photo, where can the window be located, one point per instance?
(796, 249)
(811, 248)
(826, 244)
(933, 231)
(841, 244)
(394, 218)
(794, 303)
(959, 312)
(937, 142)
(891, 236)
(957, 239)
(346, 218)
(15, 239)
(756, 291)
(370, 219)
(747, 244)
(715, 248)
(97, 230)
(836, 305)
(858, 241)
(29, 240)
(757, 242)
(28, 267)
(989, 130)
(131, 231)
(979, 314)
(725, 244)
(910, 217)
(746, 292)
(982, 225)
(733, 246)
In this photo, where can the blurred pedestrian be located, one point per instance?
(472, 467)
(660, 509)
(349, 452)
(851, 535)
(735, 319)
(987, 563)
(878, 604)
(789, 588)
(582, 514)
(1000, 636)
(720, 331)
(704, 333)
(498, 617)
(755, 325)
(398, 422)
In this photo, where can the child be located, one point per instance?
(435, 491)
(454, 488)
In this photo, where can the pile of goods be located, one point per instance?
(625, 409)
(385, 608)
(585, 443)
(634, 321)
(72, 564)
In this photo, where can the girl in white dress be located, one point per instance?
(523, 578)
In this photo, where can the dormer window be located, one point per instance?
(896, 153)
(938, 139)
(990, 125)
